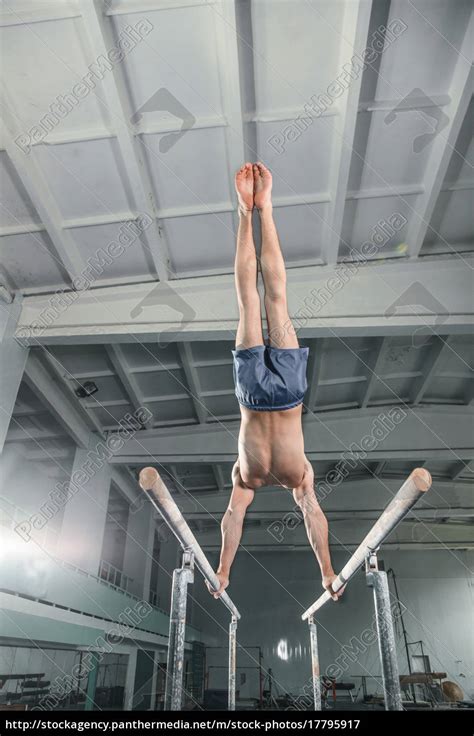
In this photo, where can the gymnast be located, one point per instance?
(270, 384)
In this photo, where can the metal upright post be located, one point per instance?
(232, 660)
(377, 579)
(313, 636)
(175, 664)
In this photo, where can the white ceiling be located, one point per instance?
(244, 71)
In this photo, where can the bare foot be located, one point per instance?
(244, 188)
(262, 177)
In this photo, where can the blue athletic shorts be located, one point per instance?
(270, 379)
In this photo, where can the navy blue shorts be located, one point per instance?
(270, 379)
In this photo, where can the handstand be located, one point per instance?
(270, 383)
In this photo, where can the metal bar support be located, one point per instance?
(175, 665)
(232, 660)
(378, 581)
(315, 670)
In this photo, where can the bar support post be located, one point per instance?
(378, 581)
(316, 675)
(175, 664)
(232, 660)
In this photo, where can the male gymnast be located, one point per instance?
(270, 384)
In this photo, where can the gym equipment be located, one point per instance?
(164, 503)
(406, 497)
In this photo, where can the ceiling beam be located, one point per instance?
(37, 13)
(213, 208)
(347, 546)
(22, 229)
(100, 34)
(360, 493)
(16, 433)
(430, 366)
(220, 477)
(442, 147)
(155, 125)
(469, 394)
(354, 32)
(379, 468)
(373, 368)
(55, 398)
(370, 301)
(316, 353)
(126, 485)
(462, 468)
(141, 6)
(347, 534)
(48, 454)
(192, 378)
(177, 481)
(37, 187)
(70, 383)
(409, 103)
(151, 126)
(417, 433)
(435, 513)
(126, 378)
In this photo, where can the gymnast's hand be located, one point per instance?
(223, 583)
(327, 585)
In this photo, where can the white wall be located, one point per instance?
(272, 590)
(24, 488)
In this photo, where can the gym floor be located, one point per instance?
(123, 123)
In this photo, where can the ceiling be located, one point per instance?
(143, 152)
(241, 75)
(188, 384)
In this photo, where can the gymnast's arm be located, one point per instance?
(231, 527)
(316, 527)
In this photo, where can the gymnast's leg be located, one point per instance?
(281, 332)
(249, 331)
